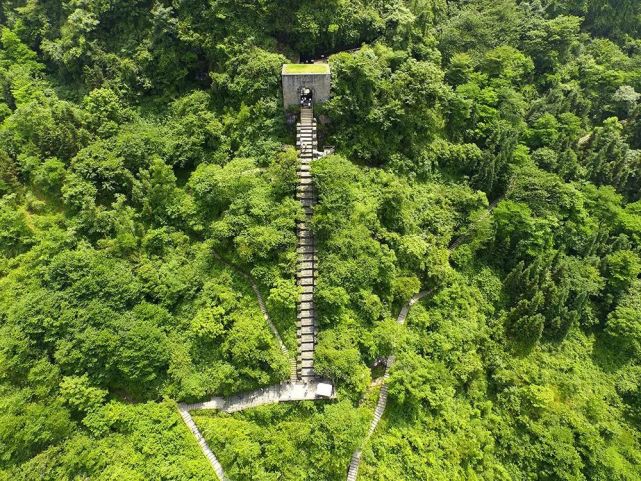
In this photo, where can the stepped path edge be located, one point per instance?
(354, 465)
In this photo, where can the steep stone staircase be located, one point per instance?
(306, 249)
(304, 384)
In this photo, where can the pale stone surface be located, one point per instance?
(215, 464)
(284, 392)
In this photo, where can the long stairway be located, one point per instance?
(306, 248)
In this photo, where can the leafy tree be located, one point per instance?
(624, 322)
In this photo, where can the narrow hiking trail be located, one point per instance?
(265, 313)
(352, 472)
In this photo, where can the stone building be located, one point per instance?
(298, 77)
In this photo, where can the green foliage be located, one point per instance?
(267, 442)
(488, 152)
(624, 322)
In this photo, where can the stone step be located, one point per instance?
(306, 346)
(304, 364)
(307, 323)
(305, 306)
(306, 331)
(305, 265)
(302, 273)
(306, 355)
(304, 233)
(307, 289)
(305, 274)
(306, 282)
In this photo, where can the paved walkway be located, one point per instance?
(284, 392)
(352, 472)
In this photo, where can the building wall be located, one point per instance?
(319, 84)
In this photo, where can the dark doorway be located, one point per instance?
(306, 97)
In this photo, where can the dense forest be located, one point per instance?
(487, 151)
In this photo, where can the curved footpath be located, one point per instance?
(354, 464)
